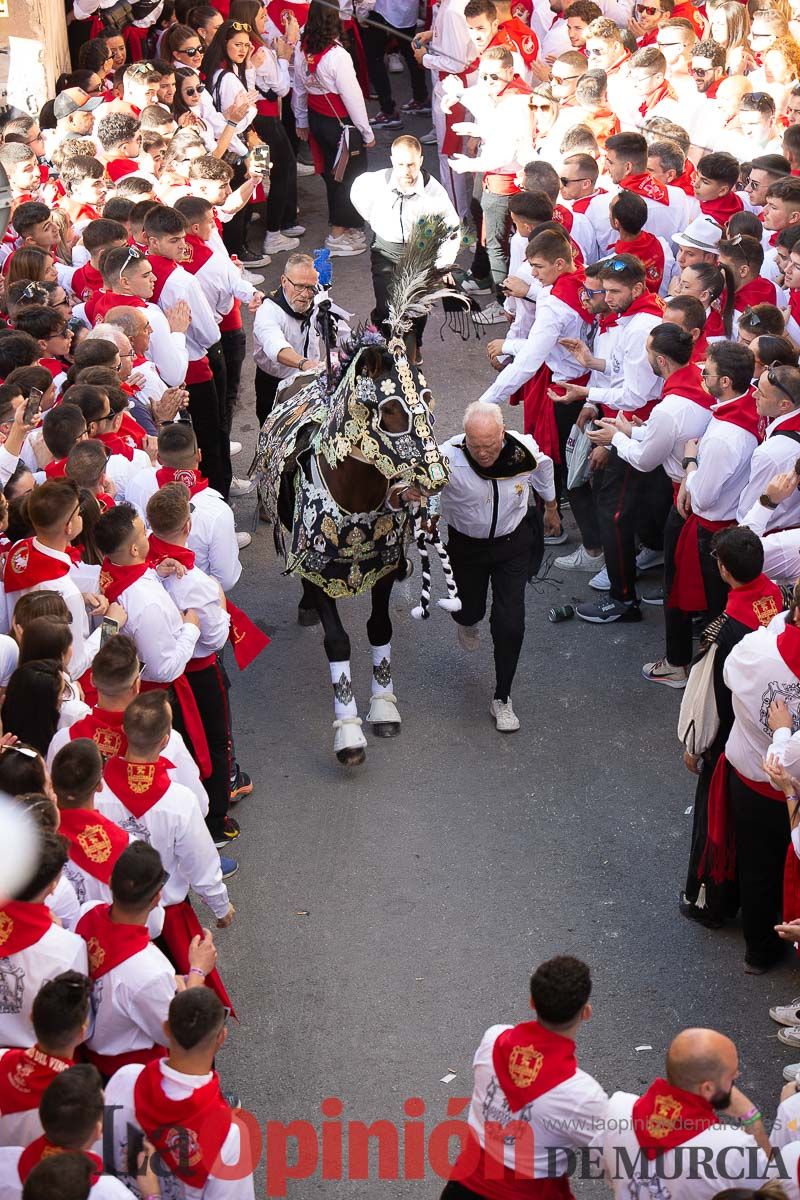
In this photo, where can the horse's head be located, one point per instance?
(382, 411)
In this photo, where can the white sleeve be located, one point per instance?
(269, 334)
(231, 1153)
(543, 477)
(349, 89)
(762, 469)
(8, 465)
(199, 861)
(636, 387)
(528, 355)
(719, 462)
(167, 349)
(223, 551)
(148, 1006)
(652, 447)
(83, 9)
(299, 92)
(165, 653)
(186, 771)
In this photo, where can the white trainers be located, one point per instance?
(276, 243)
(469, 636)
(395, 64)
(673, 677)
(792, 1073)
(790, 1037)
(252, 276)
(505, 718)
(241, 487)
(236, 448)
(600, 582)
(492, 314)
(787, 1014)
(579, 560)
(243, 539)
(342, 247)
(294, 231)
(647, 559)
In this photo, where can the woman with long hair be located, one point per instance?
(270, 68)
(326, 100)
(205, 21)
(32, 705)
(730, 28)
(29, 262)
(707, 282)
(182, 47)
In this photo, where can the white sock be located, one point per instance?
(381, 669)
(343, 703)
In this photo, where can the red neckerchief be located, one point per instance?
(109, 943)
(203, 1120)
(516, 33)
(105, 501)
(788, 644)
(685, 181)
(566, 217)
(700, 349)
(722, 209)
(193, 480)
(666, 1117)
(95, 842)
(160, 550)
(131, 429)
(647, 186)
(688, 382)
(57, 469)
(713, 88)
(648, 249)
(104, 728)
(646, 303)
(138, 785)
(580, 206)
(99, 303)
(529, 1060)
(688, 12)
(162, 268)
(619, 63)
(794, 304)
(25, 1075)
(741, 412)
(313, 60)
(115, 444)
(515, 87)
(22, 925)
(54, 365)
(567, 288)
(665, 92)
(756, 603)
(115, 579)
(87, 279)
(606, 321)
(757, 291)
(116, 168)
(27, 566)
(42, 1148)
(199, 252)
(277, 9)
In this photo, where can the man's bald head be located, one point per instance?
(127, 318)
(730, 92)
(705, 1063)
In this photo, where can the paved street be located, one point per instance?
(388, 915)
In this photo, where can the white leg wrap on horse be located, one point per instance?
(381, 669)
(344, 706)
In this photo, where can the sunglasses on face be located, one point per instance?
(667, 45)
(192, 91)
(649, 9)
(539, 107)
(564, 78)
(702, 71)
(490, 75)
(566, 182)
(587, 291)
(191, 51)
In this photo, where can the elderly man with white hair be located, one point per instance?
(491, 536)
(152, 401)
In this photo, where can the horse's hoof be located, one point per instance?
(307, 617)
(352, 756)
(385, 729)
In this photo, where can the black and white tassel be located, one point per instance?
(424, 539)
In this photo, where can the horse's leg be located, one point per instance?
(383, 715)
(308, 609)
(348, 740)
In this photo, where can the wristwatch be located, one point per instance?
(688, 460)
(765, 501)
(301, 364)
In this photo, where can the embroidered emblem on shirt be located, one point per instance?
(664, 1120)
(765, 609)
(524, 1064)
(108, 741)
(140, 777)
(6, 927)
(19, 559)
(95, 843)
(96, 953)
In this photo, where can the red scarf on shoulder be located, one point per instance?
(649, 250)
(688, 382)
(24, 1077)
(115, 579)
(646, 303)
(647, 186)
(723, 208)
(188, 1134)
(530, 1060)
(742, 412)
(665, 1117)
(99, 303)
(162, 268)
(756, 603)
(22, 925)
(109, 943)
(757, 291)
(199, 254)
(104, 728)
(27, 565)
(193, 480)
(138, 785)
(115, 444)
(95, 842)
(42, 1148)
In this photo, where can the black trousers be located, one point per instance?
(282, 199)
(234, 232)
(211, 693)
(266, 387)
(504, 563)
(375, 41)
(677, 623)
(762, 836)
(621, 492)
(566, 416)
(234, 350)
(326, 132)
(207, 411)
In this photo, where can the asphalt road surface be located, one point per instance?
(388, 915)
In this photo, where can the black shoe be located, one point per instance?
(249, 258)
(603, 612)
(700, 915)
(241, 785)
(230, 832)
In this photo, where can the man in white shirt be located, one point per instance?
(532, 1105)
(652, 1144)
(392, 202)
(778, 402)
(287, 338)
(490, 538)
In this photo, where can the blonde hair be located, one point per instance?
(500, 54)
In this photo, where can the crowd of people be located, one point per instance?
(625, 178)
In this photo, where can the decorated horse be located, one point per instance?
(343, 465)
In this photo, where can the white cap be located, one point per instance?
(703, 233)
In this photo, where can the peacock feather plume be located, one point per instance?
(418, 282)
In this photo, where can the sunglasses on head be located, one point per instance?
(133, 256)
(776, 383)
(241, 27)
(751, 317)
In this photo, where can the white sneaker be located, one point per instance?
(395, 64)
(600, 582)
(492, 314)
(790, 1037)
(579, 560)
(243, 539)
(236, 448)
(792, 1073)
(305, 168)
(429, 138)
(356, 236)
(671, 676)
(241, 487)
(505, 718)
(276, 243)
(469, 636)
(252, 276)
(294, 231)
(647, 559)
(787, 1014)
(342, 247)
